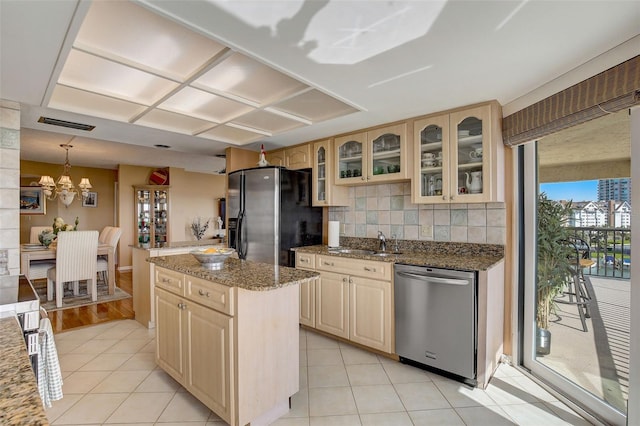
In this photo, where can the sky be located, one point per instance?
(586, 190)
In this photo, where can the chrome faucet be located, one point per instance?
(383, 241)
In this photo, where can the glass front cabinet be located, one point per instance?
(458, 157)
(152, 215)
(325, 193)
(378, 155)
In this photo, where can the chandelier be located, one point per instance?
(64, 187)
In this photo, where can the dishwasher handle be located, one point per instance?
(431, 278)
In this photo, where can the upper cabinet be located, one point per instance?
(325, 193)
(152, 215)
(294, 158)
(458, 157)
(379, 155)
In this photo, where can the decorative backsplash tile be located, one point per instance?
(388, 208)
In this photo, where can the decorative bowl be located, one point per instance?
(46, 238)
(212, 257)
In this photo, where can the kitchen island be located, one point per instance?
(230, 336)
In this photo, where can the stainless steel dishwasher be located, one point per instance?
(436, 319)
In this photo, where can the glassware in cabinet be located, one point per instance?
(325, 193)
(387, 153)
(321, 174)
(431, 159)
(152, 215)
(350, 158)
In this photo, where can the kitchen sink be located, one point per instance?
(385, 253)
(354, 251)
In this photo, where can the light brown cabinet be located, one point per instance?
(379, 155)
(294, 158)
(152, 215)
(458, 156)
(353, 299)
(202, 325)
(307, 290)
(325, 192)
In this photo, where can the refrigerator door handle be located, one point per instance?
(241, 240)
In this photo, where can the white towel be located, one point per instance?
(49, 375)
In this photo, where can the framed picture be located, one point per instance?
(32, 200)
(91, 200)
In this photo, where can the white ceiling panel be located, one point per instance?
(204, 105)
(172, 122)
(314, 106)
(81, 102)
(266, 121)
(231, 135)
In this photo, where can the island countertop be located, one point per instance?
(179, 244)
(20, 402)
(244, 274)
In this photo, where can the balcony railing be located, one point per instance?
(610, 248)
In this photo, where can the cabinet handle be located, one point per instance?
(362, 178)
(182, 306)
(350, 281)
(304, 260)
(202, 293)
(366, 268)
(451, 198)
(444, 197)
(166, 280)
(327, 263)
(344, 280)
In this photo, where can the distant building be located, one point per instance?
(603, 214)
(614, 189)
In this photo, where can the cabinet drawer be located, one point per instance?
(357, 267)
(305, 261)
(210, 294)
(170, 280)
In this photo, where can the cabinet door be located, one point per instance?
(320, 173)
(431, 158)
(332, 304)
(299, 157)
(307, 303)
(386, 152)
(471, 150)
(143, 217)
(208, 347)
(350, 159)
(170, 354)
(370, 313)
(276, 158)
(160, 217)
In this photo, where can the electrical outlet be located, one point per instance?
(426, 231)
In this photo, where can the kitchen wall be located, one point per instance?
(388, 208)
(10, 183)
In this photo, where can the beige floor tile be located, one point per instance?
(299, 404)
(157, 381)
(421, 396)
(322, 376)
(115, 333)
(142, 334)
(351, 420)
(105, 362)
(92, 409)
(303, 358)
(503, 392)
(531, 388)
(184, 407)
(491, 415)
(67, 346)
(73, 362)
(317, 341)
(506, 370)
(126, 346)
(302, 338)
(367, 374)
(331, 401)
(150, 347)
(401, 373)
(532, 414)
(377, 399)
(323, 357)
(140, 407)
(95, 346)
(386, 419)
(61, 406)
(291, 421)
(566, 414)
(83, 381)
(353, 355)
(440, 417)
(460, 395)
(121, 381)
(304, 377)
(140, 361)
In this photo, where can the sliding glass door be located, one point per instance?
(577, 264)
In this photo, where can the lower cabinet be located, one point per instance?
(194, 345)
(353, 300)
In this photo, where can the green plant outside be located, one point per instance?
(554, 264)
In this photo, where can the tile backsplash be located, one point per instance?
(388, 208)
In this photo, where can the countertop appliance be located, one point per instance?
(18, 298)
(270, 212)
(436, 320)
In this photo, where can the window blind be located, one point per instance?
(608, 92)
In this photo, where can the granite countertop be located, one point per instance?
(244, 274)
(459, 256)
(20, 402)
(179, 244)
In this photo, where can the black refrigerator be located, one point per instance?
(270, 212)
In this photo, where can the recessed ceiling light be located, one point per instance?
(159, 145)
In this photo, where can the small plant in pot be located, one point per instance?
(553, 264)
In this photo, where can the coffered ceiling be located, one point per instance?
(199, 76)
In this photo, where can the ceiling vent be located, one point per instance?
(69, 124)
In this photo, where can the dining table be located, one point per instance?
(29, 252)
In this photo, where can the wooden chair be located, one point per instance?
(576, 287)
(76, 254)
(102, 238)
(111, 239)
(37, 230)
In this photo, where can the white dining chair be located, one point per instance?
(111, 239)
(37, 230)
(102, 238)
(76, 254)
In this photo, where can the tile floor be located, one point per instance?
(110, 377)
